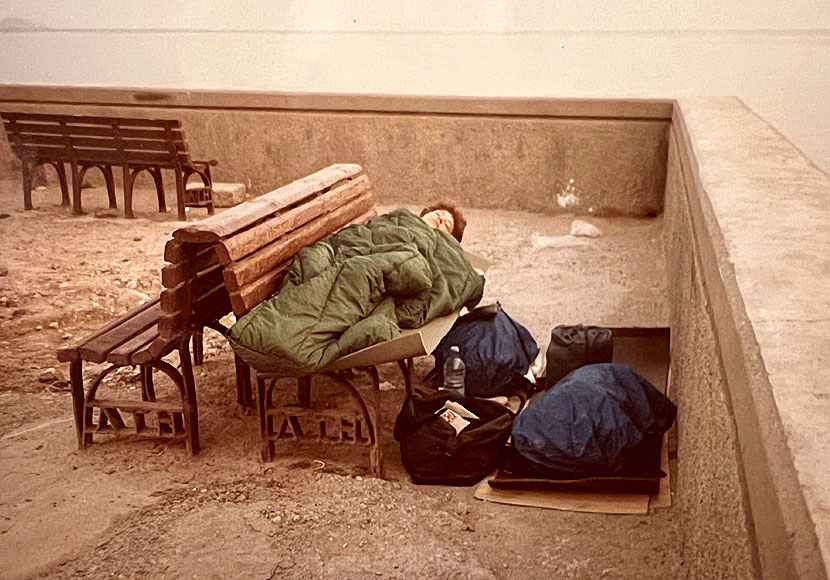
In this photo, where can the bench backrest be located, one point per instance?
(236, 259)
(89, 140)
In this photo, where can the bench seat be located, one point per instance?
(133, 339)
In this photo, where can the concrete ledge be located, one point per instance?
(253, 100)
(760, 212)
(475, 152)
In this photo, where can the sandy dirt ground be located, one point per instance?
(146, 509)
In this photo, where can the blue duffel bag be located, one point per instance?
(497, 351)
(592, 422)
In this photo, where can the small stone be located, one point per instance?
(137, 239)
(132, 284)
(584, 229)
(63, 285)
(51, 375)
(53, 325)
(225, 194)
(19, 312)
(4, 271)
(66, 336)
(38, 327)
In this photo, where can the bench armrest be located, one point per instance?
(203, 172)
(212, 162)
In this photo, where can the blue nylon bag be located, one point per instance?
(495, 349)
(592, 420)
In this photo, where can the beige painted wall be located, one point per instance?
(774, 55)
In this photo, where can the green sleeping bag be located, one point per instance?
(356, 288)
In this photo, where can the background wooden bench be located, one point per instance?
(85, 142)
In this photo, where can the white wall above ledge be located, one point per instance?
(776, 58)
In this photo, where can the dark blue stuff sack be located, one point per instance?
(495, 349)
(592, 421)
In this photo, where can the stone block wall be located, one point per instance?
(709, 487)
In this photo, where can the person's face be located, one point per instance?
(440, 219)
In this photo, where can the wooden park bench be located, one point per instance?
(85, 142)
(229, 262)
(256, 242)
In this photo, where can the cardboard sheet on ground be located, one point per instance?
(647, 354)
(411, 343)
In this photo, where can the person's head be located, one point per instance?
(446, 217)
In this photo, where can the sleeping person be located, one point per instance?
(358, 287)
(445, 217)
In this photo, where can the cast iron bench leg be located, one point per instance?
(76, 378)
(61, 169)
(244, 394)
(156, 173)
(189, 406)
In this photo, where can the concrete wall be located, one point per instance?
(718, 533)
(774, 55)
(751, 275)
(514, 154)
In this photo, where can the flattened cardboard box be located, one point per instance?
(647, 351)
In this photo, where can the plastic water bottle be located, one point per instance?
(454, 371)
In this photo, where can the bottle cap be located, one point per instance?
(454, 349)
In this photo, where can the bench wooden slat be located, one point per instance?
(256, 265)
(250, 240)
(96, 350)
(174, 299)
(174, 274)
(101, 131)
(90, 120)
(118, 157)
(103, 142)
(211, 306)
(365, 217)
(247, 214)
(175, 252)
(154, 350)
(72, 353)
(243, 300)
(123, 354)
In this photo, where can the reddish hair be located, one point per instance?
(458, 221)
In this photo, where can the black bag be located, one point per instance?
(433, 453)
(572, 347)
(496, 350)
